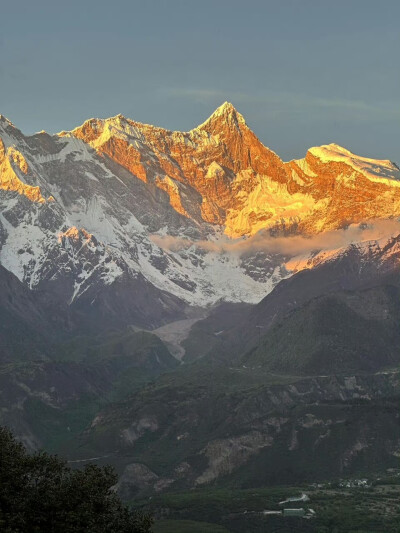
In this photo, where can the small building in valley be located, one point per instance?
(294, 512)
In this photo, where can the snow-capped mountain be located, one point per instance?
(125, 219)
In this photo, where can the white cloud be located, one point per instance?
(292, 246)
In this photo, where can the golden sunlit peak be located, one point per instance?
(226, 112)
(334, 152)
(227, 109)
(114, 119)
(117, 118)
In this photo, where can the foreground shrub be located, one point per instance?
(40, 493)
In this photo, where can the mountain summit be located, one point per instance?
(225, 113)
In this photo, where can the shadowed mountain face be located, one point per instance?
(302, 297)
(24, 331)
(353, 331)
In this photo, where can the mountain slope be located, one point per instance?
(115, 206)
(354, 331)
(224, 426)
(352, 268)
(25, 331)
(49, 402)
(355, 267)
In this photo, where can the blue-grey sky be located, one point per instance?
(302, 72)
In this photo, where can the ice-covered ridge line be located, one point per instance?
(7, 121)
(18, 247)
(364, 247)
(379, 170)
(73, 145)
(120, 123)
(135, 133)
(7, 139)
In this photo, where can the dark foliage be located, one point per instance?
(39, 493)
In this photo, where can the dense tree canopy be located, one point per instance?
(39, 493)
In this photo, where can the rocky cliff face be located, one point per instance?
(241, 184)
(305, 429)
